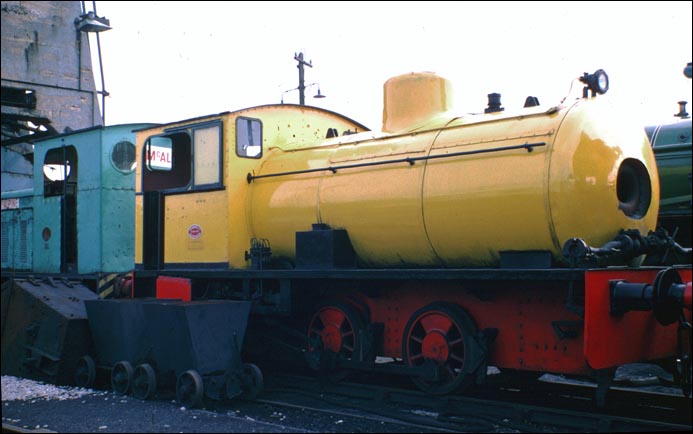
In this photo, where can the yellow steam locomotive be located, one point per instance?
(443, 243)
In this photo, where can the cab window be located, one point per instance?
(248, 137)
(60, 171)
(207, 155)
(123, 156)
(188, 158)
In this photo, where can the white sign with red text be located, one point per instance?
(160, 158)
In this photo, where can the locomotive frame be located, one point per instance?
(439, 322)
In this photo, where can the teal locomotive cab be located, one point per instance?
(84, 199)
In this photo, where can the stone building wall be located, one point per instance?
(47, 78)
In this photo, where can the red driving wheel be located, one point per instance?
(438, 335)
(336, 327)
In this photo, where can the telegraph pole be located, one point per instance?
(301, 82)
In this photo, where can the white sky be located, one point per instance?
(168, 61)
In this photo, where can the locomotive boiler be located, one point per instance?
(443, 243)
(436, 189)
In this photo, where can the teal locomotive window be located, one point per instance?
(59, 171)
(248, 137)
(123, 156)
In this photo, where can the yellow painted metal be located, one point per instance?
(225, 216)
(412, 99)
(196, 228)
(592, 144)
(478, 205)
(138, 216)
(381, 206)
(462, 210)
(287, 130)
(376, 204)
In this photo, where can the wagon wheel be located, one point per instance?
(189, 389)
(252, 381)
(85, 374)
(121, 377)
(144, 381)
(336, 329)
(439, 335)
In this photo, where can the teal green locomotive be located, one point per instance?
(65, 240)
(671, 143)
(76, 221)
(672, 148)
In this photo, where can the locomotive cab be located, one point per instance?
(66, 224)
(192, 186)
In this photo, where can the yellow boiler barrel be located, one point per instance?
(456, 192)
(592, 176)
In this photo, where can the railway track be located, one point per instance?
(537, 407)
(299, 401)
(10, 428)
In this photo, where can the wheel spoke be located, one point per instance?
(456, 342)
(416, 339)
(416, 357)
(457, 358)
